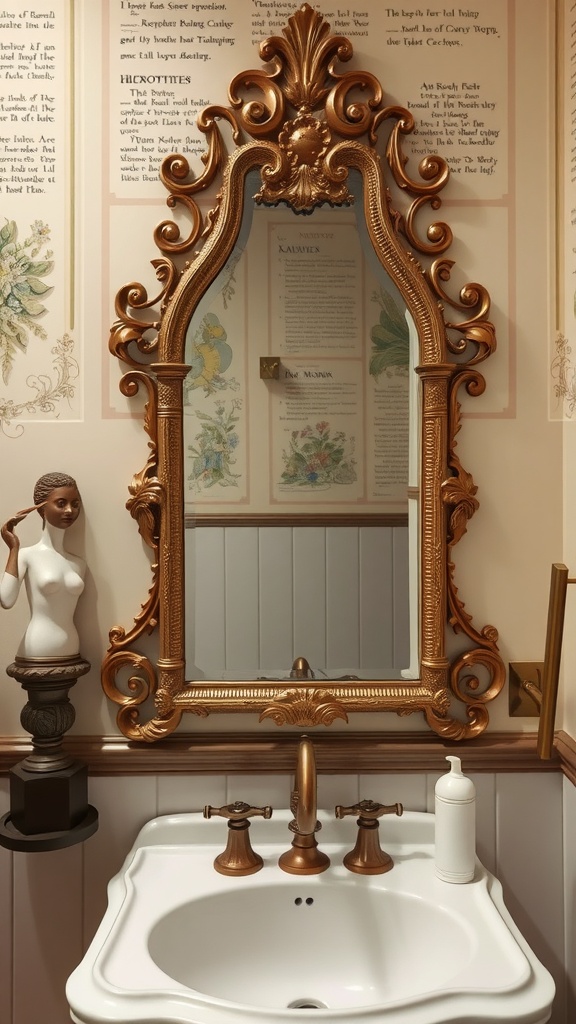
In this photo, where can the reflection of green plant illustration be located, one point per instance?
(212, 455)
(564, 373)
(209, 358)
(20, 286)
(228, 290)
(315, 458)
(49, 391)
(390, 338)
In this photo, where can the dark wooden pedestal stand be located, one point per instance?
(49, 806)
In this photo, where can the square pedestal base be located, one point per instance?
(48, 801)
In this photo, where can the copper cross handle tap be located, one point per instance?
(367, 857)
(238, 858)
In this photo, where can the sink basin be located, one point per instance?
(324, 963)
(181, 943)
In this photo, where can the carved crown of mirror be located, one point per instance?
(304, 129)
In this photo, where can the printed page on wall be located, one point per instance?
(300, 442)
(161, 64)
(563, 355)
(40, 348)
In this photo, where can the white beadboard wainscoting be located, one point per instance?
(51, 903)
(263, 596)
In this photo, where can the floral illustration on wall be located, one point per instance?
(318, 458)
(21, 289)
(46, 391)
(390, 338)
(24, 265)
(213, 454)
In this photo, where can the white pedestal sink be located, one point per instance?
(183, 944)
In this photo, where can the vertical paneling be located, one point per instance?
(569, 817)
(310, 595)
(376, 601)
(408, 790)
(530, 866)
(242, 601)
(337, 596)
(47, 934)
(486, 819)
(342, 600)
(276, 600)
(185, 793)
(259, 790)
(124, 803)
(206, 620)
(6, 914)
(401, 597)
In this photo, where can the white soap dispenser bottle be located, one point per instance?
(455, 825)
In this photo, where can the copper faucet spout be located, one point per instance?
(305, 790)
(304, 857)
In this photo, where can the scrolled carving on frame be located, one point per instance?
(304, 123)
(145, 505)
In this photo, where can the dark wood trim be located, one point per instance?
(566, 749)
(336, 753)
(193, 520)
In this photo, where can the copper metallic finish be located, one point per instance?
(303, 122)
(304, 857)
(533, 685)
(269, 368)
(238, 858)
(552, 653)
(367, 857)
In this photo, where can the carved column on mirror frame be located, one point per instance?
(49, 808)
(170, 377)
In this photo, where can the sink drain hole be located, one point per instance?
(307, 1004)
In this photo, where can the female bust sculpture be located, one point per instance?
(54, 578)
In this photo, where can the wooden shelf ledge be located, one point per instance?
(336, 753)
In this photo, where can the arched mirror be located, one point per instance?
(302, 376)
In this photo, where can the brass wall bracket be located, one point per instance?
(524, 678)
(535, 683)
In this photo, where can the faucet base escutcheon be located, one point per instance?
(367, 857)
(304, 857)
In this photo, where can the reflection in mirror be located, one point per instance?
(239, 434)
(296, 486)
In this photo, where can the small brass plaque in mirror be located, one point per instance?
(269, 368)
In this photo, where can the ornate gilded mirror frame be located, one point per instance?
(308, 126)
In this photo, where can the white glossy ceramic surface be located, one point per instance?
(183, 944)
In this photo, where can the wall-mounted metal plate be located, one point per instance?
(520, 703)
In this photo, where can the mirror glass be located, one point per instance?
(297, 485)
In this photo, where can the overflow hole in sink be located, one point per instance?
(307, 1004)
(299, 901)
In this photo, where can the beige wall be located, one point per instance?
(516, 459)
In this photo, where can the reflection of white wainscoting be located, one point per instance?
(51, 903)
(263, 596)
